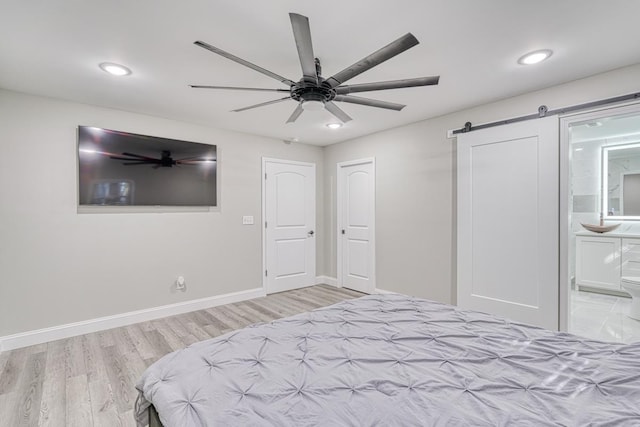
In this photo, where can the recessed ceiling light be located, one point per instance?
(334, 125)
(535, 57)
(115, 69)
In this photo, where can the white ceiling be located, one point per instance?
(53, 48)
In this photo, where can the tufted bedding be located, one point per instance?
(393, 360)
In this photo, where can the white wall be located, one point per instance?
(58, 266)
(415, 183)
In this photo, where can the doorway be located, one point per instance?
(600, 164)
(356, 225)
(289, 218)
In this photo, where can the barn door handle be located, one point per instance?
(311, 233)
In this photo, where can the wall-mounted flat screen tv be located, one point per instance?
(126, 169)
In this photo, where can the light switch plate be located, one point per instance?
(247, 220)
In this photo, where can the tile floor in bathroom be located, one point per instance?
(602, 317)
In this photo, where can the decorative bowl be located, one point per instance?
(600, 228)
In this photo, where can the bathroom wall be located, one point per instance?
(586, 176)
(586, 184)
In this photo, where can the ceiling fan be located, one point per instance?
(314, 92)
(165, 160)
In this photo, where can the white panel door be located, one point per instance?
(290, 223)
(356, 224)
(508, 221)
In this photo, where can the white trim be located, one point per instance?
(286, 162)
(565, 167)
(564, 278)
(24, 339)
(263, 216)
(338, 228)
(326, 280)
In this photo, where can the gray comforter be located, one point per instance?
(393, 360)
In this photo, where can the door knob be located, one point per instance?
(311, 233)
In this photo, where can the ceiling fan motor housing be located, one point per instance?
(166, 160)
(310, 91)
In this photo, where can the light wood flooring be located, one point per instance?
(89, 380)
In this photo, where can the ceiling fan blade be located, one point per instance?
(261, 104)
(302, 34)
(193, 162)
(336, 111)
(133, 159)
(243, 62)
(391, 84)
(296, 113)
(238, 88)
(138, 156)
(369, 102)
(139, 163)
(389, 51)
(196, 159)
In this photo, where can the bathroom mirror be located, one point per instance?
(621, 181)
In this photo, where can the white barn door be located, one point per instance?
(508, 221)
(290, 222)
(356, 225)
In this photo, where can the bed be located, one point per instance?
(393, 360)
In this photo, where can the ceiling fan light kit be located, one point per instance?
(312, 105)
(313, 92)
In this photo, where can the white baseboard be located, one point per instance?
(25, 339)
(383, 292)
(326, 280)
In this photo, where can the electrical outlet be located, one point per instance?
(180, 283)
(247, 220)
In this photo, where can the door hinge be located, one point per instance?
(265, 224)
(265, 272)
(265, 175)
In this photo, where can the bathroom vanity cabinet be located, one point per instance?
(601, 260)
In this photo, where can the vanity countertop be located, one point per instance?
(615, 233)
